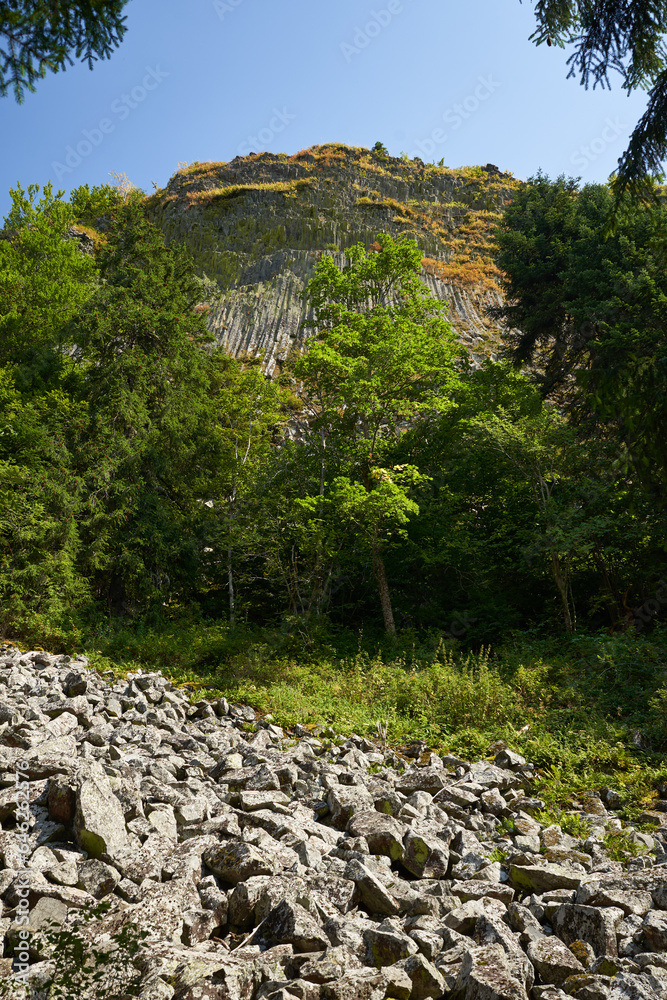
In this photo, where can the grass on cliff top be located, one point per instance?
(235, 190)
(588, 711)
(338, 154)
(471, 274)
(459, 233)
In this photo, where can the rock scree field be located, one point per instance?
(196, 850)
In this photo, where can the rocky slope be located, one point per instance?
(258, 225)
(246, 863)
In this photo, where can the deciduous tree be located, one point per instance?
(382, 355)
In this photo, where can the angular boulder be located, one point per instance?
(553, 960)
(595, 925)
(236, 861)
(289, 923)
(383, 833)
(99, 823)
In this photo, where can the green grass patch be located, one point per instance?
(577, 826)
(588, 712)
(207, 197)
(620, 845)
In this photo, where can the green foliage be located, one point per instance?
(626, 38)
(91, 204)
(658, 717)
(44, 277)
(39, 497)
(569, 822)
(127, 441)
(620, 845)
(499, 855)
(165, 418)
(247, 411)
(588, 306)
(382, 354)
(568, 485)
(506, 825)
(35, 38)
(144, 380)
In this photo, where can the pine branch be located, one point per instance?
(643, 160)
(41, 35)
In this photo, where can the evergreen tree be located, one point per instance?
(40, 497)
(626, 37)
(587, 309)
(41, 35)
(44, 278)
(146, 379)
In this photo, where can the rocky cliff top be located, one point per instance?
(236, 861)
(330, 197)
(258, 225)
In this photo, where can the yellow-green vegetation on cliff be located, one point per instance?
(330, 197)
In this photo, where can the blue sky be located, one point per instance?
(208, 79)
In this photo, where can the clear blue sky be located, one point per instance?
(208, 79)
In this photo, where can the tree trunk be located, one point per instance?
(561, 583)
(230, 581)
(383, 587)
(617, 600)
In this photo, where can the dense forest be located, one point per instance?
(386, 534)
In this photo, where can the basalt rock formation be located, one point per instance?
(237, 861)
(258, 225)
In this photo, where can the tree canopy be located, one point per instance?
(382, 354)
(587, 309)
(40, 36)
(145, 473)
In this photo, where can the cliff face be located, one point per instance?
(258, 226)
(266, 315)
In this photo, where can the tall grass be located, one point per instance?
(588, 712)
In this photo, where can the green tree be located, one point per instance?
(382, 356)
(40, 498)
(44, 280)
(91, 204)
(462, 562)
(571, 499)
(147, 378)
(44, 277)
(41, 35)
(628, 38)
(245, 414)
(518, 511)
(587, 309)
